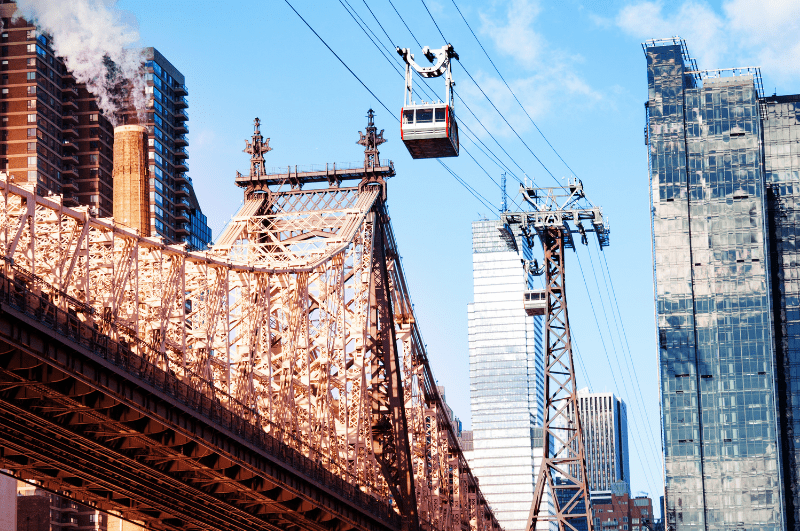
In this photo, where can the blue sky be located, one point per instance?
(579, 70)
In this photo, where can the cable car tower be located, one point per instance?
(557, 214)
(429, 129)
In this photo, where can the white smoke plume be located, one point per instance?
(93, 37)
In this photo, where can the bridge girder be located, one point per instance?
(278, 327)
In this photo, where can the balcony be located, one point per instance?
(181, 140)
(182, 215)
(68, 187)
(71, 159)
(181, 103)
(181, 179)
(181, 165)
(69, 144)
(181, 90)
(70, 104)
(180, 153)
(69, 91)
(69, 130)
(69, 171)
(182, 191)
(69, 116)
(181, 115)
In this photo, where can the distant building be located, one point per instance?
(39, 510)
(454, 420)
(725, 189)
(506, 374)
(604, 420)
(615, 510)
(8, 503)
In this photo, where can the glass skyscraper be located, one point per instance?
(724, 182)
(604, 420)
(506, 374)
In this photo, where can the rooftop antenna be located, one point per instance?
(504, 206)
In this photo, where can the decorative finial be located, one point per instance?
(257, 148)
(371, 141)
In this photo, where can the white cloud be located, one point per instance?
(740, 33)
(515, 35)
(548, 77)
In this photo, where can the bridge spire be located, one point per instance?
(371, 141)
(257, 148)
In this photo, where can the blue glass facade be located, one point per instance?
(719, 377)
(506, 375)
(781, 130)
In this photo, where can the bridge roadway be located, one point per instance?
(84, 414)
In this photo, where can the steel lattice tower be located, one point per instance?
(557, 214)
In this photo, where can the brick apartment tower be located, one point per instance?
(52, 133)
(131, 178)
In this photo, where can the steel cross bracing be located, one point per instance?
(562, 482)
(297, 325)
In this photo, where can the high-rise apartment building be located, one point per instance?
(604, 419)
(52, 133)
(724, 186)
(506, 374)
(173, 214)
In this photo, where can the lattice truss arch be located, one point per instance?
(274, 322)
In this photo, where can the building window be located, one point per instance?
(31, 146)
(93, 117)
(31, 132)
(32, 175)
(31, 62)
(32, 161)
(31, 76)
(93, 159)
(31, 48)
(31, 118)
(31, 34)
(31, 104)
(94, 198)
(31, 90)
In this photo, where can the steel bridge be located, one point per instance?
(277, 381)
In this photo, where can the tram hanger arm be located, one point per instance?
(441, 55)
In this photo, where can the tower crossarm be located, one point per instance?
(566, 209)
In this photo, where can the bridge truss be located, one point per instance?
(297, 327)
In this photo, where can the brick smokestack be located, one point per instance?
(131, 178)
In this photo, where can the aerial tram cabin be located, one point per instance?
(429, 130)
(535, 302)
